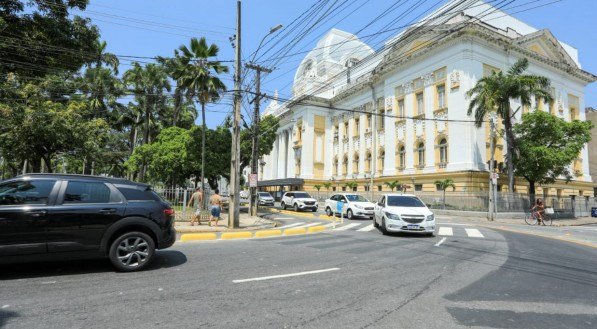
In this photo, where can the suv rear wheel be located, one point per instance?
(283, 205)
(132, 251)
(296, 208)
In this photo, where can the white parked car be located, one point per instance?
(299, 201)
(265, 199)
(403, 213)
(354, 205)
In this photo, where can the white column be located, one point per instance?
(291, 160)
(274, 159)
(282, 155)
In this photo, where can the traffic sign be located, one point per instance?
(339, 206)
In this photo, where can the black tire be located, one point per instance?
(127, 257)
(547, 220)
(384, 230)
(349, 214)
(530, 219)
(329, 212)
(314, 210)
(375, 223)
(431, 235)
(296, 208)
(283, 205)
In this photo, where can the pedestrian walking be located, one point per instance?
(215, 202)
(197, 201)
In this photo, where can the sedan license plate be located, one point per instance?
(412, 227)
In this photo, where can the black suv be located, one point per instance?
(61, 217)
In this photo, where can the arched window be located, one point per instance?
(345, 165)
(402, 157)
(368, 163)
(421, 155)
(382, 157)
(355, 163)
(443, 152)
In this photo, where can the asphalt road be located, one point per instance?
(338, 279)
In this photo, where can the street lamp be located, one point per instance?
(271, 31)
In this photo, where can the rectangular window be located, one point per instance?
(346, 130)
(86, 192)
(401, 108)
(420, 109)
(380, 112)
(357, 124)
(379, 187)
(26, 192)
(418, 187)
(441, 96)
(369, 121)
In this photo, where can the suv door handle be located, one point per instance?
(107, 211)
(37, 213)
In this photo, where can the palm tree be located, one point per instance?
(327, 186)
(317, 187)
(443, 185)
(103, 57)
(198, 75)
(493, 94)
(393, 184)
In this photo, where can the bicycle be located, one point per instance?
(531, 218)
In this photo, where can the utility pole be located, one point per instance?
(233, 208)
(492, 201)
(256, 118)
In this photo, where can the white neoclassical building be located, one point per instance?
(401, 113)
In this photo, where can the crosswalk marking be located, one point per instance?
(366, 228)
(309, 225)
(445, 230)
(346, 227)
(473, 233)
(292, 225)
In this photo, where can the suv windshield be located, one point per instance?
(356, 198)
(301, 195)
(404, 201)
(264, 194)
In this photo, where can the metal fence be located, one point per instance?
(564, 207)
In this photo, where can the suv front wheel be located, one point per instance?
(132, 251)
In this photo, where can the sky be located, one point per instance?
(149, 28)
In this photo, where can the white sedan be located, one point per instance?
(403, 213)
(354, 205)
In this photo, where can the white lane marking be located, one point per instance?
(346, 227)
(473, 233)
(445, 230)
(282, 218)
(366, 228)
(458, 224)
(286, 275)
(309, 225)
(48, 282)
(292, 225)
(330, 224)
(440, 241)
(5, 306)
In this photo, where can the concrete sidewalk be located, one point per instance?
(247, 223)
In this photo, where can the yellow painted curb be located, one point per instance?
(236, 235)
(197, 236)
(314, 229)
(267, 233)
(295, 231)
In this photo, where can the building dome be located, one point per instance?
(335, 52)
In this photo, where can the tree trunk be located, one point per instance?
(48, 162)
(177, 105)
(135, 131)
(444, 201)
(203, 145)
(532, 192)
(509, 152)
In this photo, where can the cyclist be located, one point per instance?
(539, 210)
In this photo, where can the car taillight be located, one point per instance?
(169, 212)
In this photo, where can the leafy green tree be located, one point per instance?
(169, 157)
(493, 94)
(327, 186)
(268, 125)
(46, 36)
(547, 146)
(198, 72)
(443, 185)
(217, 155)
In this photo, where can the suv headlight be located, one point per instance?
(430, 217)
(392, 216)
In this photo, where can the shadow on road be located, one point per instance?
(163, 259)
(5, 316)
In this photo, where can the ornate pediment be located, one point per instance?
(544, 44)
